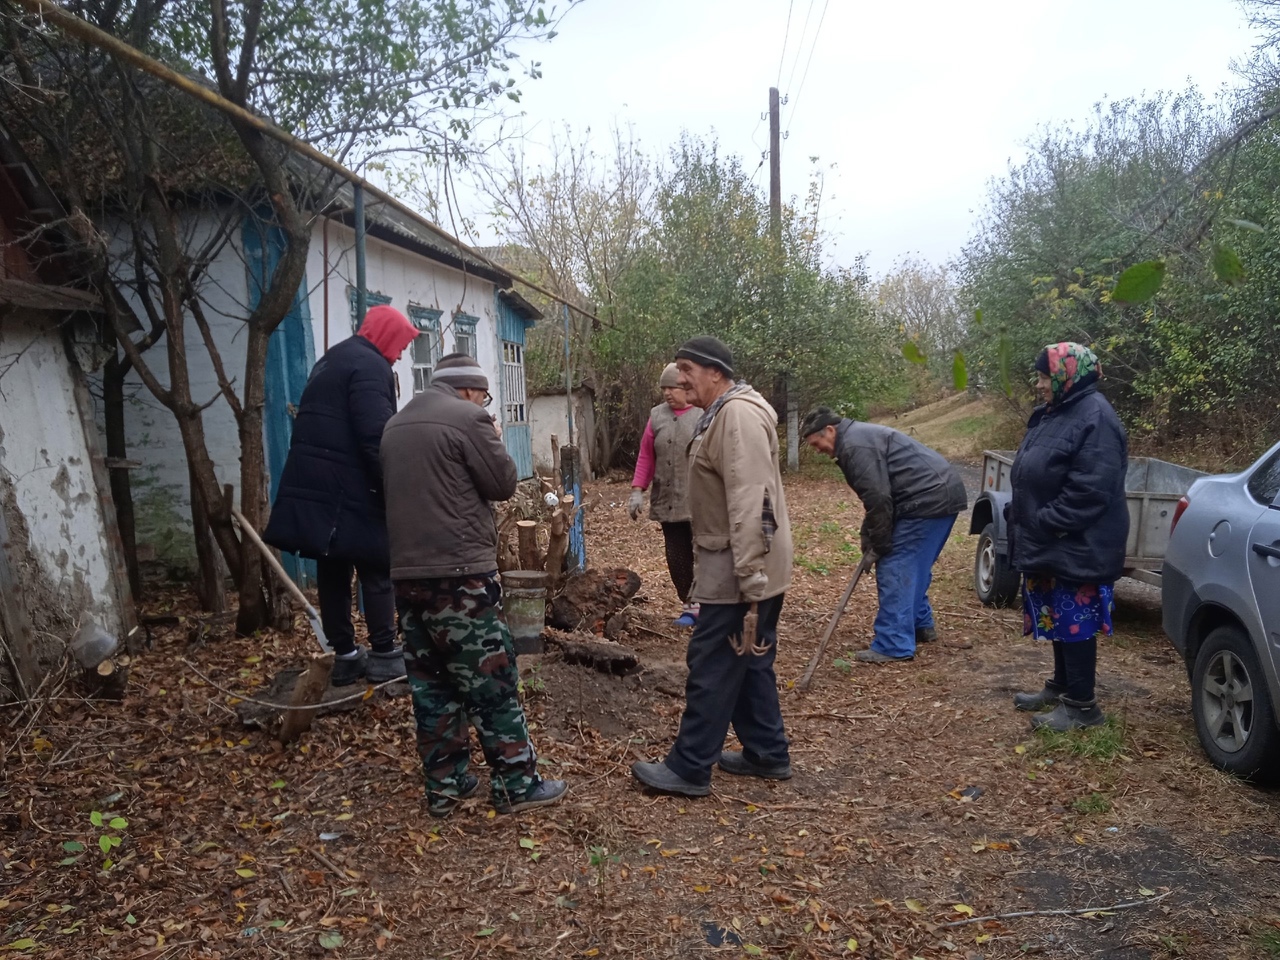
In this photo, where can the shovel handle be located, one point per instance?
(867, 560)
(292, 587)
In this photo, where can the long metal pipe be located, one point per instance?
(51, 13)
(362, 292)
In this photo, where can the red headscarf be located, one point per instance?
(389, 330)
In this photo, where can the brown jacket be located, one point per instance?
(442, 463)
(732, 468)
(669, 498)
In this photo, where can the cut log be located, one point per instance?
(603, 655)
(527, 534)
(311, 687)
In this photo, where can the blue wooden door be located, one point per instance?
(516, 433)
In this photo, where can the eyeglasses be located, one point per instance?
(488, 398)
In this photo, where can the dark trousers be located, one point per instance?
(678, 538)
(725, 688)
(333, 582)
(1075, 667)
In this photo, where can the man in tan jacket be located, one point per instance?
(742, 555)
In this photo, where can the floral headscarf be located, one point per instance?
(1069, 366)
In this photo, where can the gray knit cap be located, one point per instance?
(460, 372)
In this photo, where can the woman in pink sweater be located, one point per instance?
(664, 463)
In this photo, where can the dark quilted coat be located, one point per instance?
(330, 500)
(1068, 517)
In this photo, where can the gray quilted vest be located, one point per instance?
(669, 498)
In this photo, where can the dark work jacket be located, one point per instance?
(1068, 517)
(444, 464)
(330, 501)
(896, 478)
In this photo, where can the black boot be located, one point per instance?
(1071, 715)
(1048, 697)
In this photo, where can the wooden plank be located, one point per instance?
(39, 296)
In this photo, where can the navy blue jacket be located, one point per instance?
(1068, 517)
(330, 501)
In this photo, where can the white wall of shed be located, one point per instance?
(549, 414)
(45, 461)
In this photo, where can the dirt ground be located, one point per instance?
(921, 803)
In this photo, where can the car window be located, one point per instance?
(1264, 483)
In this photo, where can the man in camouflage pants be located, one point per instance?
(443, 462)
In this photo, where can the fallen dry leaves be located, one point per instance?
(920, 799)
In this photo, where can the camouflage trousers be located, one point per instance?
(462, 672)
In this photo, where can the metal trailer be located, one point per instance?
(1152, 490)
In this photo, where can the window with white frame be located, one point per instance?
(464, 334)
(513, 390)
(373, 298)
(425, 350)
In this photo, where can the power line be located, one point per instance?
(785, 34)
(803, 33)
(804, 76)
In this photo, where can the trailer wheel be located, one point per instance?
(994, 581)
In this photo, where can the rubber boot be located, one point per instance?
(1071, 715)
(1048, 697)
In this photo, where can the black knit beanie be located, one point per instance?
(1042, 361)
(819, 419)
(708, 352)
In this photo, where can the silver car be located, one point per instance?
(1221, 608)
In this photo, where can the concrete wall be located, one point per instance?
(549, 415)
(58, 554)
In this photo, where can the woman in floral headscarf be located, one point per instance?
(1069, 524)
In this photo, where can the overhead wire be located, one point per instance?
(785, 34)
(795, 101)
(803, 33)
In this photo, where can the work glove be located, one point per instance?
(753, 586)
(635, 503)
(870, 548)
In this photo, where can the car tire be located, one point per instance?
(1234, 716)
(994, 581)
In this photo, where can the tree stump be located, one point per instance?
(311, 687)
(591, 598)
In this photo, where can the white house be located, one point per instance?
(459, 301)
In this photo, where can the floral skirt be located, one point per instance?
(1053, 609)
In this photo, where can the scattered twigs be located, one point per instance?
(281, 706)
(340, 874)
(1129, 905)
(657, 633)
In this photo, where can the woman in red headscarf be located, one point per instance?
(329, 506)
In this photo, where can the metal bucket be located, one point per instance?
(524, 606)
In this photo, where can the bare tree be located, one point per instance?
(135, 163)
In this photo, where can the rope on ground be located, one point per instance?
(1059, 913)
(364, 694)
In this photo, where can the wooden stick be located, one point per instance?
(863, 564)
(1059, 913)
(311, 687)
(527, 535)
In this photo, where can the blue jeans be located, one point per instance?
(902, 581)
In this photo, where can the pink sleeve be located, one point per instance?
(646, 462)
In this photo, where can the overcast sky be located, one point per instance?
(917, 105)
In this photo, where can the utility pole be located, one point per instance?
(775, 228)
(775, 168)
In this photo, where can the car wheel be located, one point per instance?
(1235, 719)
(995, 583)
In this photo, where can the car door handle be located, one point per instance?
(1262, 550)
